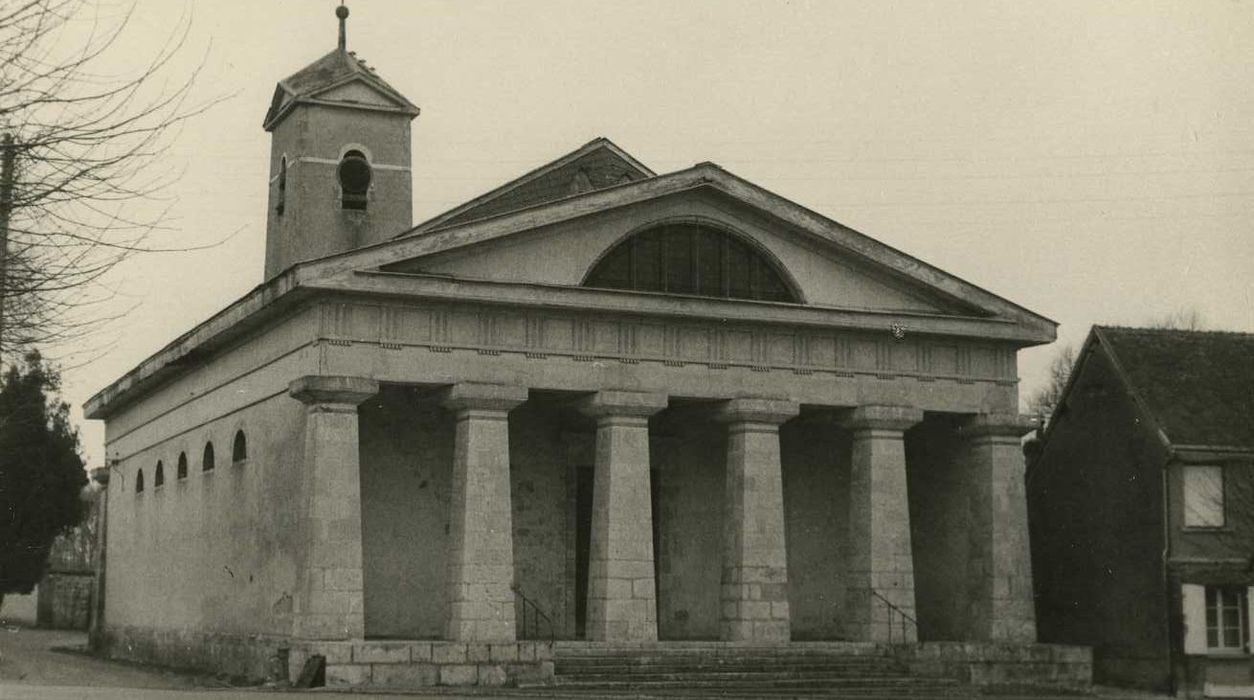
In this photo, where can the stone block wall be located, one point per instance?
(65, 600)
(940, 522)
(406, 457)
(1001, 665)
(689, 472)
(424, 664)
(816, 507)
(543, 538)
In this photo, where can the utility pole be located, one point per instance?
(6, 208)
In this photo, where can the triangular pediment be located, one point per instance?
(554, 244)
(339, 77)
(597, 165)
(358, 91)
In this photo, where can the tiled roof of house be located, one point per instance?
(1198, 385)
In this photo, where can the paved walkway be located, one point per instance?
(53, 665)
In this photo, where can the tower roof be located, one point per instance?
(311, 85)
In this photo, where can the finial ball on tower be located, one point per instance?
(341, 12)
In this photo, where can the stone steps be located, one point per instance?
(741, 671)
(671, 668)
(789, 678)
(827, 687)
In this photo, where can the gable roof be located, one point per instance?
(595, 165)
(420, 242)
(1198, 386)
(337, 68)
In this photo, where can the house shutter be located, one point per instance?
(1249, 618)
(1193, 602)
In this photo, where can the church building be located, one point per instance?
(597, 405)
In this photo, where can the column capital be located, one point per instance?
(613, 404)
(323, 389)
(482, 397)
(751, 410)
(1003, 425)
(875, 417)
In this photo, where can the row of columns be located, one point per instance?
(622, 602)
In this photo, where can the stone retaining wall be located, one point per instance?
(65, 600)
(993, 664)
(424, 664)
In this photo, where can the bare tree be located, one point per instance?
(83, 144)
(1045, 399)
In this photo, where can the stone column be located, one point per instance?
(754, 596)
(881, 565)
(329, 603)
(999, 569)
(481, 534)
(622, 591)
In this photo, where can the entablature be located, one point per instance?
(772, 339)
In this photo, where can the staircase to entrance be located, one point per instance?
(811, 669)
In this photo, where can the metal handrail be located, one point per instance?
(536, 615)
(905, 617)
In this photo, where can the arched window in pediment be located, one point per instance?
(691, 258)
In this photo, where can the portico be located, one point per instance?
(642, 514)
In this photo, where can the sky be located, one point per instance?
(1093, 162)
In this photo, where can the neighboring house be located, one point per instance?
(1141, 508)
(596, 403)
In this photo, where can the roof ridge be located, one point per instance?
(1181, 331)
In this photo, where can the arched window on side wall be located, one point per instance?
(239, 450)
(139, 481)
(206, 462)
(281, 206)
(354, 175)
(158, 479)
(182, 467)
(694, 259)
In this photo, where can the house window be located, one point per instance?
(1203, 496)
(158, 479)
(182, 468)
(354, 176)
(1226, 626)
(139, 481)
(206, 463)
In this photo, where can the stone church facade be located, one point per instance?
(597, 403)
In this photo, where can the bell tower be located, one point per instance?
(339, 159)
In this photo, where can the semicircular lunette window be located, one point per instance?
(690, 259)
(354, 175)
